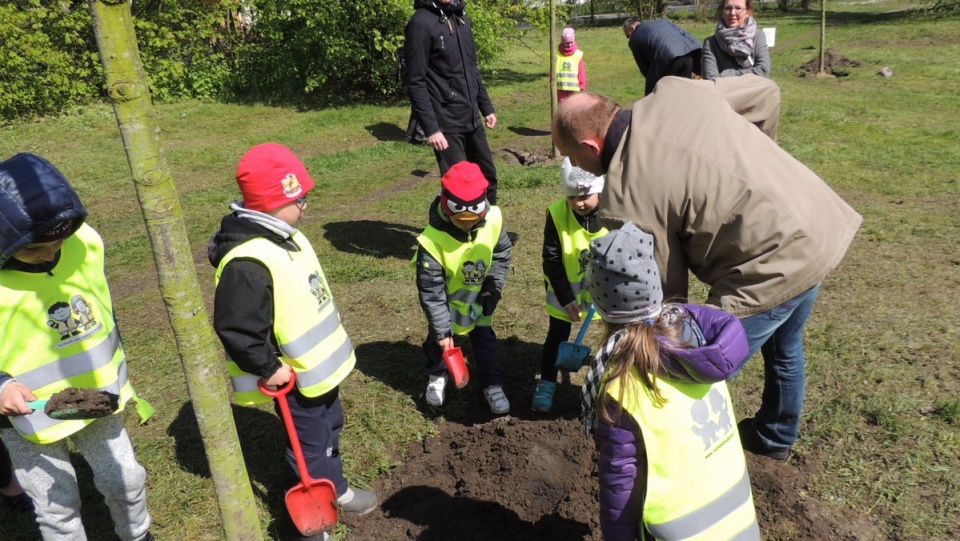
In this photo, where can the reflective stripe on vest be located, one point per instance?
(68, 337)
(698, 488)
(465, 265)
(575, 244)
(306, 324)
(568, 71)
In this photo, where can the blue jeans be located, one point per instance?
(778, 335)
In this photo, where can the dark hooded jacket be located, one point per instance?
(243, 302)
(443, 79)
(432, 284)
(655, 44)
(34, 198)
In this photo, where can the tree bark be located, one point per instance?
(128, 90)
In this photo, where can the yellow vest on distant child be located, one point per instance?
(465, 265)
(59, 332)
(306, 321)
(568, 71)
(575, 243)
(698, 488)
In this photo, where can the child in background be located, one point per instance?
(275, 314)
(570, 226)
(656, 397)
(570, 71)
(48, 256)
(462, 262)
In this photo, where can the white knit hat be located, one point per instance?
(576, 181)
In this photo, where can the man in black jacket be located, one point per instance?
(662, 48)
(445, 87)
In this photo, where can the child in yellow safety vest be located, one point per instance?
(670, 463)
(275, 315)
(50, 256)
(570, 226)
(462, 261)
(570, 71)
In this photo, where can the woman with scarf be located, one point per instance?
(738, 47)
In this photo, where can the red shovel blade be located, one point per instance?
(313, 507)
(456, 367)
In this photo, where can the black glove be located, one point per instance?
(489, 300)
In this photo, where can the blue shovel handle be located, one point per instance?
(586, 325)
(38, 404)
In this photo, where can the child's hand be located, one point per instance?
(13, 399)
(280, 377)
(445, 343)
(573, 310)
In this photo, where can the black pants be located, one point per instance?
(558, 332)
(485, 367)
(472, 147)
(319, 422)
(686, 66)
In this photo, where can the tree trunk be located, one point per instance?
(823, 35)
(554, 151)
(127, 88)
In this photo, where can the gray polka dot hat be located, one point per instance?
(623, 277)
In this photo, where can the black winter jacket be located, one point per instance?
(243, 302)
(443, 79)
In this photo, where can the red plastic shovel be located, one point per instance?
(456, 366)
(313, 503)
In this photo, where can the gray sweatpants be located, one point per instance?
(48, 477)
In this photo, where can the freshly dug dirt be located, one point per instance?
(534, 477)
(834, 63)
(81, 403)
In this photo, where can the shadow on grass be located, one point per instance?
(443, 517)
(402, 366)
(528, 132)
(263, 441)
(373, 238)
(384, 131)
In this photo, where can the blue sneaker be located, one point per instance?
(543, 396)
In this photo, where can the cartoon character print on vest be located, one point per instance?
(83, 312)
(567, 66)
(474, 272)
(711, 416)
(583, 261)
(319, 290)
(72, 329)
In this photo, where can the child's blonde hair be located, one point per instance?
(640, 348)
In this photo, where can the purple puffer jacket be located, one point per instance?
(622, 463)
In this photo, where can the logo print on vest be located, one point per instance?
(474, 272)
(583, 261)
(567, 66)
(712, 419)
(319, 290)
(73, 321)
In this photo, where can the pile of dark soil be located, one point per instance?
(534, 477)
(834, 63)
(81, 404)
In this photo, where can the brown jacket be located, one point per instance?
(723, 200)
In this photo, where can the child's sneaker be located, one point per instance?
(543, 396)
(435, 390)
(359, 502)
(498, 402)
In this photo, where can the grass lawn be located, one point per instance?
(881, 431)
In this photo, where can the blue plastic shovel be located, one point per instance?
(573, 355)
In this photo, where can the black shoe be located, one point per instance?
(21, 503)
(752, 443)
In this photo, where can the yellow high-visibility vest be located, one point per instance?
(66, 335)
(698, 488)
(306, 322)
(568, 71)
(575, 243)
(465, 265)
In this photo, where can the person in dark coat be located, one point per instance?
(450, 102)
(662, 48)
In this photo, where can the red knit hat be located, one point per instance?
(464, 188)
(271, 176)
